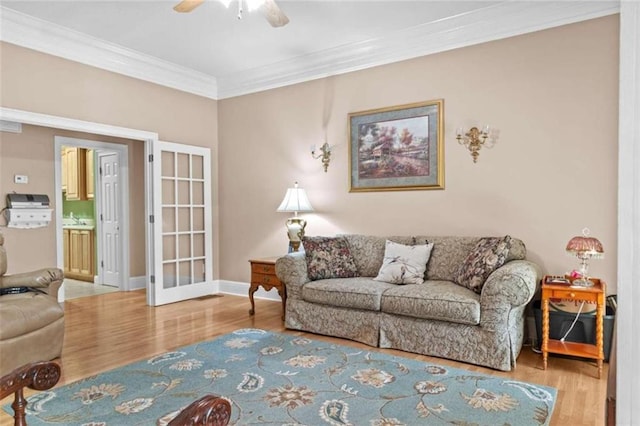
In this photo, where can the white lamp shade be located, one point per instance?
(295, 200)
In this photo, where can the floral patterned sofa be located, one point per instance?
(482, 323)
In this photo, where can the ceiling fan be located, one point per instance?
(270, 9)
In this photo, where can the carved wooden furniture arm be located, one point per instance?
(209, 410)
(37, 375)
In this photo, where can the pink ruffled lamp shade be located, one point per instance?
(584, 248)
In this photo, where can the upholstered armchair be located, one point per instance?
(32, 320)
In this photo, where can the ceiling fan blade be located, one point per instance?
(187, 5)
(274, 15)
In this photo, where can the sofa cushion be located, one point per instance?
(368, 251)
(517, 251)
(328, 257)
(447, 254)
(489, 254)
(403, 264)
(439, 300)
(356, 293)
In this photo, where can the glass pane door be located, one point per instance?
(182, 219)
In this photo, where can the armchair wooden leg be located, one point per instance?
(37, 376)
(19, 405)
(209, 410)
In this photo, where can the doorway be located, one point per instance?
(93, 249)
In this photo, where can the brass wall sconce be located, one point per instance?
(474, 139)
(324, 154)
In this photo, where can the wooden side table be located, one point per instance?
(263, 273)
(595, 294)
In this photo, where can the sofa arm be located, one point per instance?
(291, 270)
(510, 286)
(49, 280)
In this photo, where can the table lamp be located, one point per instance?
(295, 200)
(584, 248)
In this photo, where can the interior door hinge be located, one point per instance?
(102, 263)
(153, 279)
(100, 170)
(152, 219)
(151, 158)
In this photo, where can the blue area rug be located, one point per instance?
(276, 379)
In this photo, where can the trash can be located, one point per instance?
(583, 332)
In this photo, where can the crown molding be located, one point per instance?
(33, 33)
(505, 19)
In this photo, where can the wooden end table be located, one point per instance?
(595, 294)
(263, 273)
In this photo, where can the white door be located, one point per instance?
(181, 223)
(109, 216)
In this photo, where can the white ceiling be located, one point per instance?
(224, 56)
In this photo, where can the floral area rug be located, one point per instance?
(276, 379)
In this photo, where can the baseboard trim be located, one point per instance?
(137, 283)
(238, 288)
(235, 288)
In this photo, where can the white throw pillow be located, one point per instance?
(404, 264)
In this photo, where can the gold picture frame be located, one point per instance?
(397, 148)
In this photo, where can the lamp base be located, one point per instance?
(294, 246)
(582, 282)
(295, 232)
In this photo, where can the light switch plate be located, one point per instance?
(21, 179)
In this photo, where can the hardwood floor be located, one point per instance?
(111, 330)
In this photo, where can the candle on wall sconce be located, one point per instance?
(476, 138)
(324, 154)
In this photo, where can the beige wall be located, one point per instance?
(31, 153)
(552, 94)
(41, 83)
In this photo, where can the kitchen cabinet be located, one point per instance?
(75, 174)
(78, 173)
(79, 254)
(65, 248)
(89, 173)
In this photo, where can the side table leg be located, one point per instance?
(252, 289)
(545, 332)
(600, 333)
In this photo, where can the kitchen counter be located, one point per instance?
(74, 226)
(85, 224)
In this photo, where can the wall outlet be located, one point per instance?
(21, 179)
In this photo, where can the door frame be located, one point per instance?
(63, 123)
(122, 151)
(123, 154)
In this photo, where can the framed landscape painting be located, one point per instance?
(397, 148)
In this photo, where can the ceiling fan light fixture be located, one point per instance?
(254, 4)
(251, 4)
(269, 8)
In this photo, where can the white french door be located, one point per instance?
(181, 223)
